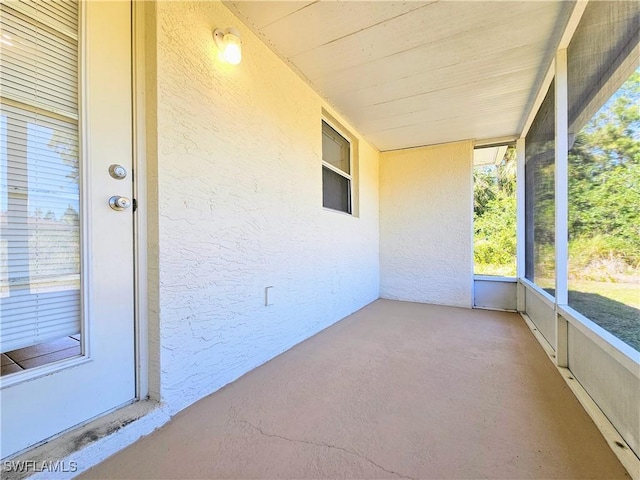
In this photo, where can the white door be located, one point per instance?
(66, 255)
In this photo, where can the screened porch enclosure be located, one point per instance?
(328, 176)
(581, 285)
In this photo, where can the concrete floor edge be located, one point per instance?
(138, 419)
(626, 456)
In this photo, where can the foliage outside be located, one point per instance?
(604, 191)
(604, 218)
(495, 217)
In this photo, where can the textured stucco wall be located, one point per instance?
(239, 200)
(426, 222)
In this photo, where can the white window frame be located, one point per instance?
(349, 176)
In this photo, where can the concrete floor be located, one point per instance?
(397, 390)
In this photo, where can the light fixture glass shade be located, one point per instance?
(232, 52)
(229, 45)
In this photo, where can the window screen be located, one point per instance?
(335, 191)
(604, 168)
(540, 196)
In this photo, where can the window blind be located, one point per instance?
(39, 172)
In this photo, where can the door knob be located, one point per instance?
(119, 203)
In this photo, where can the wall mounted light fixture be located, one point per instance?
(229, 44)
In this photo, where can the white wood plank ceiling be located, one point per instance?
(417, 73)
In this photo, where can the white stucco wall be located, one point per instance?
(239, 202)
(426, 224)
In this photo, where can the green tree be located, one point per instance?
(604, 181)
(495, 217)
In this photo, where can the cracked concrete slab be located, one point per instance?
(397, 390)
(324, 445)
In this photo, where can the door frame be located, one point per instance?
(140, 102)
(137, 357)
(141, 13)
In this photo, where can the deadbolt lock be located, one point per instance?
(117, 171)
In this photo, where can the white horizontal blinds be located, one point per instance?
(39, 63)
(60, 15)
(39, 173)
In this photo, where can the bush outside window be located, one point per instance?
(494, 213)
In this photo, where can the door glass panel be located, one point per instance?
(40, 307)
